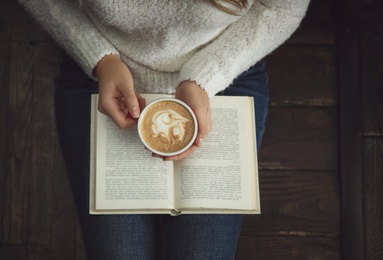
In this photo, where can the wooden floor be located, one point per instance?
(299, 160)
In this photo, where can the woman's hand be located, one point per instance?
(190, 93)
(117, 97)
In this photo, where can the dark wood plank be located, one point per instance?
(297, 203)
(371, 45)
(360, 15)
(24, 28)
(349, 138)
(5, 27)
(40, 204)
(318, 25)
(302, 76)
(5, 49)
(8, 7)
(7, 10)
(361, 114)
(4, 88)
(288, 248)
(13, 252)
(373, 197)
(300, 139)
(38, 252)
(18, 144)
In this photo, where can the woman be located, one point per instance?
(193, 49)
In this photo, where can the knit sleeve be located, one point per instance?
(72, 29)
(265, 26)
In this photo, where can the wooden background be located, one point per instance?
(301, 177)
(361, 126)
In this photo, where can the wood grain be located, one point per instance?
(297, 203)
(360, 57)
(350, 144)
(8, 252)
(302, 75)
(7, 10)
(318, 25)
(371, 44)
(40, 204)
(373, 196)
(288, 248)
(5, 48)
(24, 28)
(372, 80)
(18, 147)
(5, 27)
(300, 139)
(4, 90)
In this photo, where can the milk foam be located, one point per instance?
(169, 124)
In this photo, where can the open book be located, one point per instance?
(220, 177)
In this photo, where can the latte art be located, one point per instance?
(169, 126)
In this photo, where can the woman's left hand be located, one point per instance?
(198, 100)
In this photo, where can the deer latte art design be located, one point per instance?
(168, 126)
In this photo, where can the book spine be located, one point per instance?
(175, 212)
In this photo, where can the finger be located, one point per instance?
(181, 155)
(156, 155)
(141, 101)
(204, 126)
(123, 107)
(131, 101)
(112, 108)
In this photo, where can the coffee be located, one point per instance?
(167, 126)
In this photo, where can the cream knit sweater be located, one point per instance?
(165, 42)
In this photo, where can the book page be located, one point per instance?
(223, 172)
(127, 176)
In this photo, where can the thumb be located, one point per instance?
(204, 126)
(131, 101)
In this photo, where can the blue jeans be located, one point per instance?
(138, 237)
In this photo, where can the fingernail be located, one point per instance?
(156, 156)
(135, 112)
(199, 142)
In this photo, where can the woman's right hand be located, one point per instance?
(117, 98)
(198, 100)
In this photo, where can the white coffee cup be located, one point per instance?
(167, 126)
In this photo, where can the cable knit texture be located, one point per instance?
(166, 42)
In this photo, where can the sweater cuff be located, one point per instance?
(210, 76)
(91, 57)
